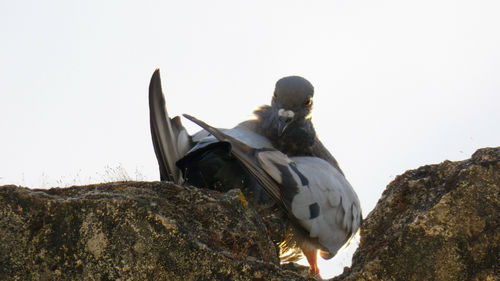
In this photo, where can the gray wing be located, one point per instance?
(170, 138)
(248, 137)
(323, 202)
(339, 210)
(246, 155)
(314, 193)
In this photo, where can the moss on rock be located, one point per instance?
(133, 231)
(438, 222)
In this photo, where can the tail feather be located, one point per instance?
(170, 139)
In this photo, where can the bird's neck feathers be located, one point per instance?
(298, 138)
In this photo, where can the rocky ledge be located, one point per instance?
(133, 231)
(438, 222)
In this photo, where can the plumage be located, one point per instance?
(291, 94)
(319, 201)
(170, 138)
(277, 161)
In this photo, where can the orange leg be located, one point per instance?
(311, 255)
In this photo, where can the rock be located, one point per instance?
(438, 222)
(133, 231)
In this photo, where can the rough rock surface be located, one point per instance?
(133, 231)
(438, 222)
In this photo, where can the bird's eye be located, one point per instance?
(308, 102)
(274, 96)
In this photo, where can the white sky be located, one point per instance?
(399, 84)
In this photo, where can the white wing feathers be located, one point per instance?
(325, 204)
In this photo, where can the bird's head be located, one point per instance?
(292, 102)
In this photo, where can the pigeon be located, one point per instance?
(283, 128)
(286, 124)
(287, 121)
(320, 203)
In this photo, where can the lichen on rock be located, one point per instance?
(133, 231)
(438, 222)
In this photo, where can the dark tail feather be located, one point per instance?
(170, 139)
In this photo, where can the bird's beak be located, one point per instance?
(285, 118)
(283, 123)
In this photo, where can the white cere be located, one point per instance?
(286, 113)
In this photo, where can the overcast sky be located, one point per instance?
(399, 84)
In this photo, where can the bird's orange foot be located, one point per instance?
(311, 255)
